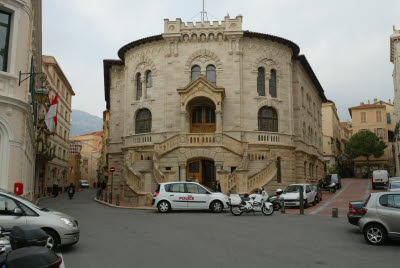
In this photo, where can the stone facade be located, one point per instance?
(395, 59)
(17, 125)
(57, 168)
(243, 154)
(331, 131)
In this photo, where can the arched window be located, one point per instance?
(138, 86)
(195, 71)
(279, 171)
(143, 121)
(272, 84)
(267, 119)
(261, 82)
(211, 75)
(149, 84)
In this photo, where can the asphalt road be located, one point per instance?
(117, 238)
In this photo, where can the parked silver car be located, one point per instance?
(381, 217)
(15, 210)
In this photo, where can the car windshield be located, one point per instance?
(28, 202)
(207, 188)
(292, 189)
(395, 185)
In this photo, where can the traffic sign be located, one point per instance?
(112, 169)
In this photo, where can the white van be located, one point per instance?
(380, 178)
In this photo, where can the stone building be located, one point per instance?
(372, 117)
(104, 152)
(90, 155)
(210, 101)
(331, 131)
(20, 51)
(395, 59)
(57, 82)
(74, 164)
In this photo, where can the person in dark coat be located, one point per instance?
(71, 190)
(103, 186)
(217, 186)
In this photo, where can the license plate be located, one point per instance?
(378, 180)
(290, 204)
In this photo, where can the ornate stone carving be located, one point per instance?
(203, 58)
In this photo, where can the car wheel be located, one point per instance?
(52, 240)
(375, 234)
(163, 206)
(333, 190)
(305, 203)
(216, 206)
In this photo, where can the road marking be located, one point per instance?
(330, 201)
(63, 262)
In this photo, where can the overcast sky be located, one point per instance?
(345, 41)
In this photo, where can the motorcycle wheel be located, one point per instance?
(277, 206)
(333, 190)
(236, 211)
(266, 211)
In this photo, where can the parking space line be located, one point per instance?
(330, 201)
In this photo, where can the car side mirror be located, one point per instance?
(17, 212)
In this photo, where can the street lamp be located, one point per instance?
(41, 95)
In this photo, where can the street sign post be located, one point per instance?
(112, 170)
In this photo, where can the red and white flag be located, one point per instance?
(51, 116)
(71, 170)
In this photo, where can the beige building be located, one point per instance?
(21, 48)
(395, 59)
(91, 155)
(74, 164)
(106, 138)
(211, 101)
(331, 131)
(371, 117)
(57, 82)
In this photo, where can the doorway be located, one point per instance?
(202, 116)
(201, 171)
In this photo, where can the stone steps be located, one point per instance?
(255, 166)
(141, 165)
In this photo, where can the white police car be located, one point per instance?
(188, 195)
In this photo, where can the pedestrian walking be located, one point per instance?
(217, 186)
(103, 187)
(71, 190)
(55, 190)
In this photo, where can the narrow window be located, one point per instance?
(195, 72)
(278, 168)
(138, 87)
(261, 82)
(363, 117)
(211, 75)
(149, 84)
(272, 84)
(378, 116)
(389, 121)
(143, 121)
(267, 119)
(5, 22)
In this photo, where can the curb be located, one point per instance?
(114, 206)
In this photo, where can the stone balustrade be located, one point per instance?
(263, 177)
(262, 137)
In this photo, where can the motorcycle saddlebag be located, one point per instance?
(26, 236)
(32, 257)
(235, 199)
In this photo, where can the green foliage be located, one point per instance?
(364, 143)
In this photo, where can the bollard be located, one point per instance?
(117, 200)
(283, 207)
(301, 200)
(335, 212)
(110, 199)
(105, 197)
(101, 196)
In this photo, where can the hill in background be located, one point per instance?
(84, 123)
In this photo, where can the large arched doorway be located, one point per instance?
(202, 115)
(201, 171)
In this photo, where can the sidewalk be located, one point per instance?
(121, 204)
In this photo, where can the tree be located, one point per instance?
(365, 143)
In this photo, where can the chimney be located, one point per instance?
(361, 103)
(390, 102)
(368, 102)
(375, 101)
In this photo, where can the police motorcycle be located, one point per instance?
(26, 246)
(327, 186)
(274, 199)
(251, 203)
